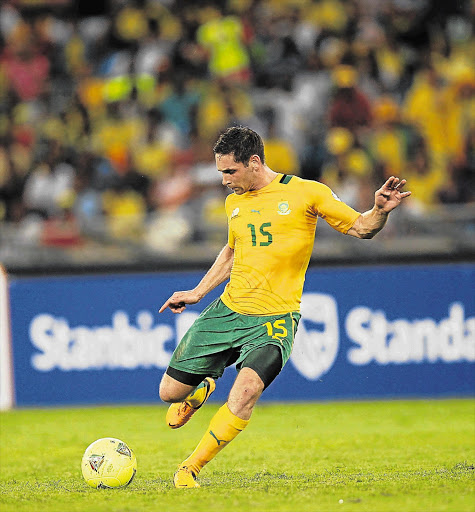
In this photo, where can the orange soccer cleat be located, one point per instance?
(180, 413)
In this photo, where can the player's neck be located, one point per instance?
(266, 176)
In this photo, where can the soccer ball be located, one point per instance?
(108, 463)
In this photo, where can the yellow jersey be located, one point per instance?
(272, 232)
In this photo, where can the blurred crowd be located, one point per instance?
(109, 109)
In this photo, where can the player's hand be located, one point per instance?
(178, 301)
(390, 195)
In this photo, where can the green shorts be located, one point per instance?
(220, 337)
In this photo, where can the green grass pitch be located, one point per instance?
(338, 456)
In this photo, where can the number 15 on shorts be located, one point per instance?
(277, 329)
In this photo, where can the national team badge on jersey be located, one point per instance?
(283, 208)
(235, 213)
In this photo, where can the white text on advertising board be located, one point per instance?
(402, 341)
(116, 346)
(374, 338)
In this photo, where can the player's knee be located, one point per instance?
(168, 393)
(253, 389)
(245, 393)
(171, 391)
(164, 393)
(249, 395)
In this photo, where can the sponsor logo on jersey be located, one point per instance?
(283, 208)
(235, 213)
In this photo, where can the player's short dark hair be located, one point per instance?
(241, 142)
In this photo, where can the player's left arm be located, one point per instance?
(217, 274)
(388, 197)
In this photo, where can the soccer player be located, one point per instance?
(272, 219)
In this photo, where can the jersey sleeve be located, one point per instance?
(328, 206)
(229, 212)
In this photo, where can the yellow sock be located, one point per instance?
(223, 428)
(196, 397)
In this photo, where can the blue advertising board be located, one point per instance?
(367, 332)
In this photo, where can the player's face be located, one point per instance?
(235, 175)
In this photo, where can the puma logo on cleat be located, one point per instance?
(219, 441)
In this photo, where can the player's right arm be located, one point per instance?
(217, 274)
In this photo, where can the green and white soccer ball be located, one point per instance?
(108, 463)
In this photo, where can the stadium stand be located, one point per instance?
(108, 113)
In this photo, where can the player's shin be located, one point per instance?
(223, 428)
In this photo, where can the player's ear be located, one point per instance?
(254, 162)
